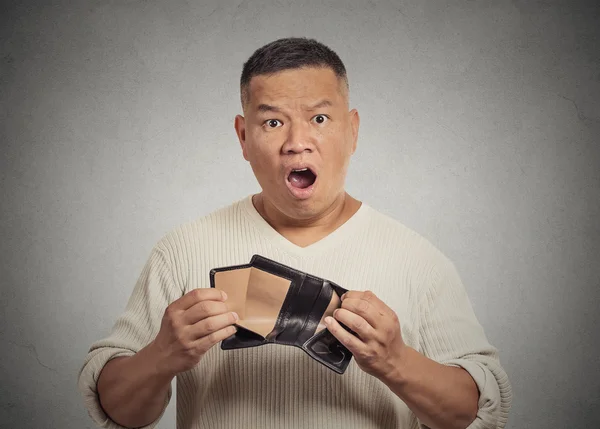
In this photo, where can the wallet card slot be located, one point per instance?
(325, 348)
(298, 302)
(334, 302)
(320, 305)
(285, 314)
(243, 338)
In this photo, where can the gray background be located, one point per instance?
(480, 125)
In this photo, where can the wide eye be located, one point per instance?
(320, 119)
(273, 123)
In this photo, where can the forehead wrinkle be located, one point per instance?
(319, 105)
(295, 95)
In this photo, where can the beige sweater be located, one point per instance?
(276, 386)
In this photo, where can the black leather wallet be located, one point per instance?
(282, 305)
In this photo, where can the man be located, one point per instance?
(420, 356)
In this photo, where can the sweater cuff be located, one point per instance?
(88, 382)
(494, 393)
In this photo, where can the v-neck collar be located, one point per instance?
(333, 239)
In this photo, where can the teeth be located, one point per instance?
(302, 169)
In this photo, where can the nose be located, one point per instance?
(299, 139)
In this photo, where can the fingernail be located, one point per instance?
(224, 295)
(335, 312)
(235, 316)
(328, 320)
(342, 297)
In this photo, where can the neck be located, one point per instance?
(305, 231)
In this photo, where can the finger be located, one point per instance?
(365, 310)
(202, 310)
(356, 323)
(197, 295)
(352, 343)
(367, 305)
(210, 340)
(365, 295)
(212, 324)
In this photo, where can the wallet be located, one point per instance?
(281, 305)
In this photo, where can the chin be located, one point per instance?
(292, 208)
(299, 208)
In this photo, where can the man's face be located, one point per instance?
(298, 136)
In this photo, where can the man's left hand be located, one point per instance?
(377, 345)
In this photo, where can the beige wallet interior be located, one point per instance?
(257, 297)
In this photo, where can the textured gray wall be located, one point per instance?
(480, 125)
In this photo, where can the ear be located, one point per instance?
(240, 130)
(354, 125)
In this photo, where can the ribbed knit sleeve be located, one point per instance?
(133, 330)
(451, 334)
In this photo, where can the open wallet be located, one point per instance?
(282, 305)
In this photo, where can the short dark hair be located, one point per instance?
(289, 53)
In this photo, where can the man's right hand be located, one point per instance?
(133, 389)
(190, 326)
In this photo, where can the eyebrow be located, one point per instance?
(269, 108)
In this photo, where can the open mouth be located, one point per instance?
(302, 178)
